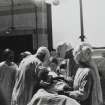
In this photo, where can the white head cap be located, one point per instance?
(43, 50)
(69, 47)
(83, 52)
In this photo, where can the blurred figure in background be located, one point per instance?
(8, 71)
(53, 64)
(65, 52)
(71, 64)
(61, 49)
(63, 69)
(53, 53)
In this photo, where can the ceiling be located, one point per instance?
(5, 4)
(8, 2)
